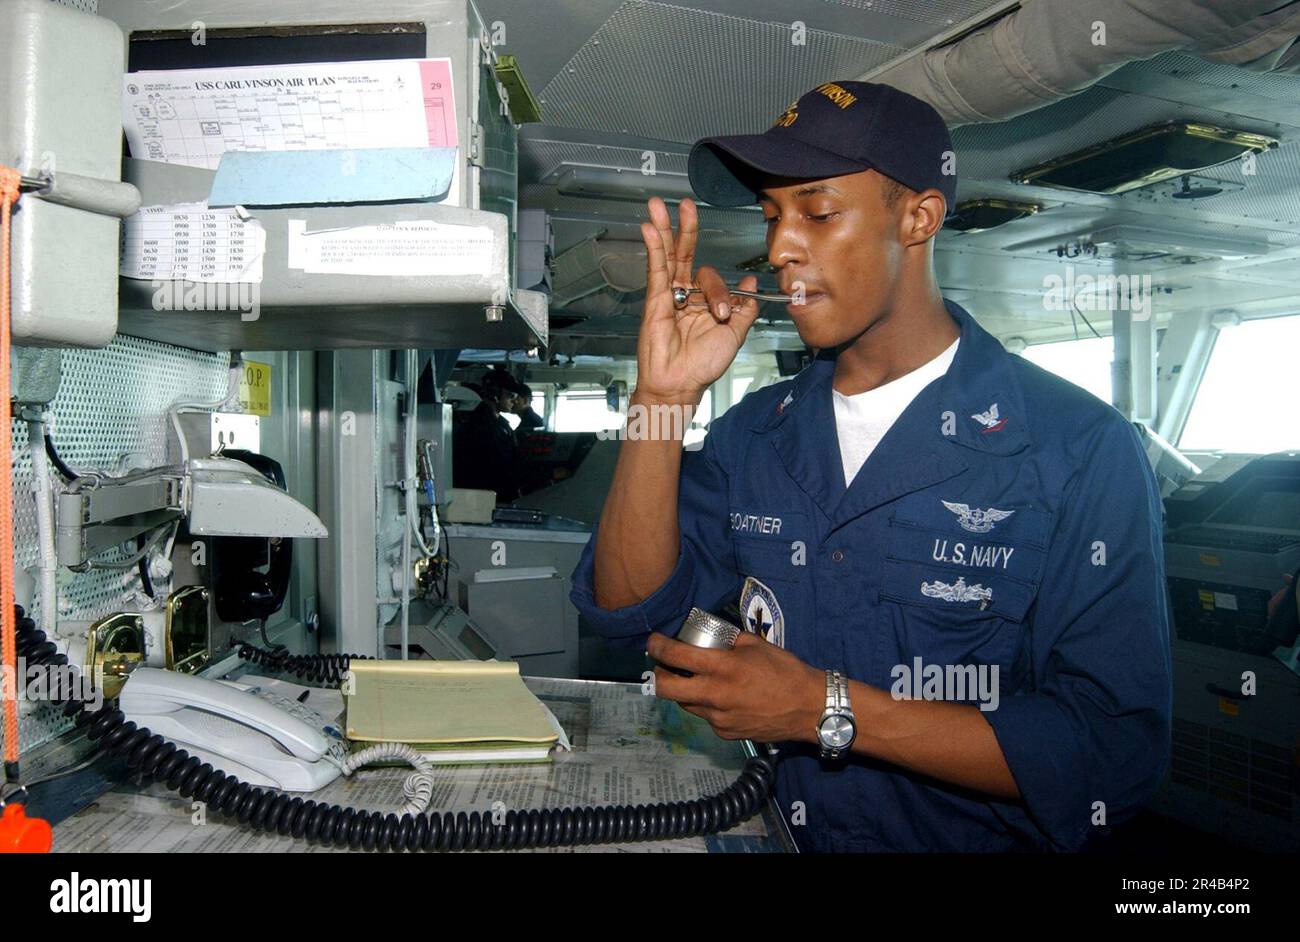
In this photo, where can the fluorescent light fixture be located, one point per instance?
(1144, 157)
(983, 214)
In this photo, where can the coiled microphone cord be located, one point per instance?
(270, 811)
(320, 668)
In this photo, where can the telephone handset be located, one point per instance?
(251, 574)
(246, 731)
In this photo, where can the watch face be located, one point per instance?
(836, 732)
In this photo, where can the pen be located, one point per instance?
(680, 295)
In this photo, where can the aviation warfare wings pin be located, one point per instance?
(975, 519)
(761, 612)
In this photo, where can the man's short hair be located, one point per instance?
(492, 385)
(500, 380)
(892, 191)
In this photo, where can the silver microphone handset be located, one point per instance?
(705, 630)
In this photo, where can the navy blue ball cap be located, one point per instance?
(836, 129)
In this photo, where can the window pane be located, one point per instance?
(1246, 401)
(704, 411)
(696, 432)
(584, 412)
(1086, 363)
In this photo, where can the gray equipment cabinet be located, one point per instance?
(531, 619)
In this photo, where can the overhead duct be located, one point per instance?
(617, 183)
(609, 268)
(1047, 50)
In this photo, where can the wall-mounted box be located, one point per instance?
(60, 113)
(300, 306)
(298, 310)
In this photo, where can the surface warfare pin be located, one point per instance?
(762, 614)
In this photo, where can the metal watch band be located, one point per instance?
(837, 692)
(837, 704)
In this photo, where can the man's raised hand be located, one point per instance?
(683, 351)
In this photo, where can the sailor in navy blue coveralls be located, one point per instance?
(989, 588)
(1050, 509)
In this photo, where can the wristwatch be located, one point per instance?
(838, 727)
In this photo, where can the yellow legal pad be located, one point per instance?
(437, 703)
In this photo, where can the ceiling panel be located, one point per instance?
(679, 74)
(546, 34)
(1276, 86)
(937, 13)
(620, 79)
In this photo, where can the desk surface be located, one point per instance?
(555, 530)
(628, 748)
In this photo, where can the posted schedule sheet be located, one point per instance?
(191, 242)
(193, 116)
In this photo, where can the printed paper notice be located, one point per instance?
(408, 248)
(193, 116)
(190, 242)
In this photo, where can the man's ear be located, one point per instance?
(923, 216)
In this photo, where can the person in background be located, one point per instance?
(523, 407)
(483, 446)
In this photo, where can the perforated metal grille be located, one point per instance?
(110, 413)
(933, 12)
(85, 6)
(1247, 772)
(1274, 86)
(648, 62)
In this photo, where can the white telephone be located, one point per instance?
(255, 733)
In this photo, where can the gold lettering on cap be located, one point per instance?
(789, 116)
(838, 94)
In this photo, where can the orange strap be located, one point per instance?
(9, 190)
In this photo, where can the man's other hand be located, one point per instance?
(754, 691)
